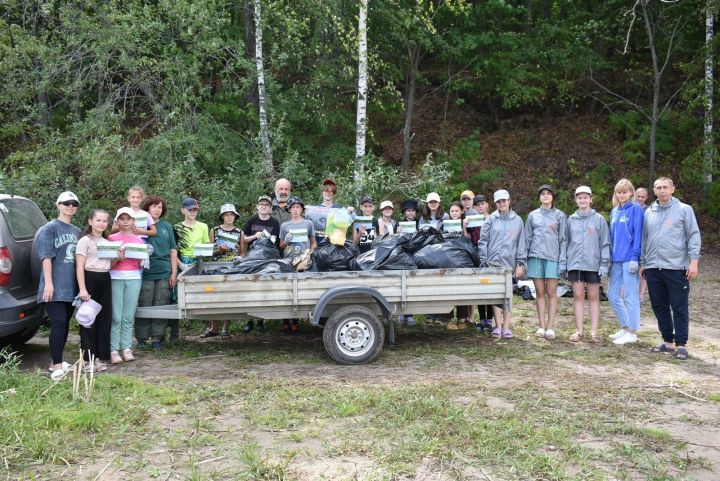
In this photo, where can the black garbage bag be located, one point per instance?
(464, 243)
(421, 238)
(379, 259)
(448, 255)
(262, 249)
(255, 266)
(331, 257)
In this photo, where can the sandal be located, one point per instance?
(662, 347)
(507, 334)
(209, 333)
(577, 337)
(225, 335)
(549, 334)
(594, 338)
(497, 333)
(681, 353)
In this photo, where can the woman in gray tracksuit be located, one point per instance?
(502, 244)
(588, 260)
(545, 232)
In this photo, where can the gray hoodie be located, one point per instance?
(502, 240)
(671, 236)
(545, 232)
(588, 241)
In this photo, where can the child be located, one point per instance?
(296, 236)
(364, 236)
(126, 280)
(432, 212)
(626, 226)
(502, 244)
(463, 313)
(144, 223)
(386, 224)
(260, 224)
(93, 276)
(588, 255)
(159, 279)
(190, 232)
(55, 243)
(485, 312)
(545, 231)
(227, 240)
(409, 210)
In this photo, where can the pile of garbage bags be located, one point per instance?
(424, 249)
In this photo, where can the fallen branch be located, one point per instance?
(102, 471)
(205, 461)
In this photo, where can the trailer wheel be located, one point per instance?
(353, 335)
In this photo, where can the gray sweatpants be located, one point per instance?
(153, 293)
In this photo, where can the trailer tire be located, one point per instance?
(353, 335)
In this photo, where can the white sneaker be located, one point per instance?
(540, 332)
(549, 334)
(628, 338)
(618, 334)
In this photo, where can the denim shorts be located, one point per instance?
(542, 269)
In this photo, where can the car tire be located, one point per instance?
(353, 335)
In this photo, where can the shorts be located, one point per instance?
(542, 269)
(589, 277)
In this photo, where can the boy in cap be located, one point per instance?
(190, 232)
(261, 224)
(364, 236)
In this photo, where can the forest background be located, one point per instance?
(98, 95)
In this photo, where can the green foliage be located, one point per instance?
(459, 160)
(601, 187)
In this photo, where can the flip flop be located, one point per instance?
(682, 354)
(577, 337)
(497, 333)
(662, 348)
(507, 334)
(209, 333)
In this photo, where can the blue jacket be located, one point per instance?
(626, 226)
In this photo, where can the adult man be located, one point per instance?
(669, 261)
(641, 197)
(283, 189)
(261, 224)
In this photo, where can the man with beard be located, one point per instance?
(283, 190)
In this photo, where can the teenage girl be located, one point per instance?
(626, 226)
(545, 232)
(409, 211)
(588, 256)
(386, 224)
(463, 313)
(126, 281)
(433, 214)
(55, 244)
(93, 276)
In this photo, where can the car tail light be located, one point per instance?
(5, 266)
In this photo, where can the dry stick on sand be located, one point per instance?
(102, 471)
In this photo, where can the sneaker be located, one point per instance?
(249, 327)
(628, 338)
(410, 321)
(540, 332)
(174, 337)
(461, 325)
(127, 355)
(115, 358)
(261, 327)
(58, 375)
(88, 368)
(618, 334)
(549, 334)
(141, 344)
(100, 366)
(156, 344)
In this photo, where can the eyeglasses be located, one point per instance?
(72, 203)
(193, 210)
(263, 204)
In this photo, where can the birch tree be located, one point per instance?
(262, 98)
(361, 122)
(709, 149)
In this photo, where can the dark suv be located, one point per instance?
(20, 315)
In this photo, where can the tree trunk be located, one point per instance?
(361, 122)
(709, 148)
(414, 58)
(249, 28)
(262, 99)
(657, 79)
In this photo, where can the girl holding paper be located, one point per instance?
(386, 224)
(144, 223)
(433, 214)
(126, 280)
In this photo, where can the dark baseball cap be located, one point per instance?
(264, 197)
(190, 203)
(367, 198)
(545, 187)
(479, 198)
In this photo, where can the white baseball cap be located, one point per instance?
(66, 196)
(501, 195)
(125, 210)
(387, 203)
(432, 196)
(583, 189)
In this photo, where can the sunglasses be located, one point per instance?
(73, 203)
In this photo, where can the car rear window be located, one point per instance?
(22, 217)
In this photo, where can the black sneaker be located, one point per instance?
(248, 327)
(156, 344)
(141, 344)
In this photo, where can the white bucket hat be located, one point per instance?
(229, 208)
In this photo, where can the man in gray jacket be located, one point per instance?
(669, 261)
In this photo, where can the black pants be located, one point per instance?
(60, 314)
(485, 312)
(95, 339)
(669, 291)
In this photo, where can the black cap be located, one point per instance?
(292, 201)
(545, 187)
(409, 204)
(367, 198)
(479, 198)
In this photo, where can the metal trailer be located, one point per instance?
(348, 305)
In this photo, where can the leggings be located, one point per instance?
(60, 314)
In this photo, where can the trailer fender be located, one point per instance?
(341, 291)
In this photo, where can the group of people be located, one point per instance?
(659, 243)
